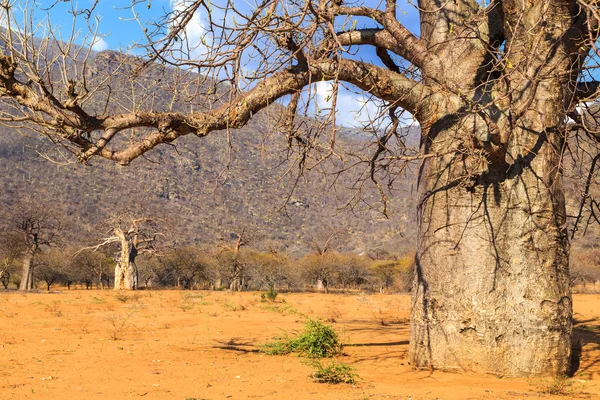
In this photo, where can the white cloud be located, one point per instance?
(196, 33)
(352, 110)
(99, 44)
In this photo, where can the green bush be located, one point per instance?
(316, 340)
(270, 294)
(333, 372)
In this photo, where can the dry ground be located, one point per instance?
(203, 345)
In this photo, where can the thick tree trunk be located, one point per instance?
(27, 272)
(491, 290)
(126, 275)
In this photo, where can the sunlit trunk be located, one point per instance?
(27, 271)
(492, 289)
(126, 275)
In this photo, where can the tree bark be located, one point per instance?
(27, 271)
(492, 291)
(126, 275)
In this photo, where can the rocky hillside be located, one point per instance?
(205, 189)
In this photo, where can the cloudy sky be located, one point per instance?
(119, 30)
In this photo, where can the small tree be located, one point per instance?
(9, 253)
(52, 266)
(393, 273)
(184, 267)
(350, 270)
(36, 227)
(94, 266)
(318, 268)
(271, 269)
(231, 265)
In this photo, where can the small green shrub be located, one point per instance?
(316, 340)
(270, 294)
(333, 372)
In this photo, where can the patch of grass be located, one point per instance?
(186, 306)
(124, 298)
(190, 295)
(54, 308)
(561, 385)
(233, 307)
(97, 300)
(316, 340)
(280, 310)
(333, 372)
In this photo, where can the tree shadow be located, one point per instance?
(586, 333)
(235, 344)
(400, 343)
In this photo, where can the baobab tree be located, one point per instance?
(135, 236)
(491, 84)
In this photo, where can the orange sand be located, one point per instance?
(203, 345)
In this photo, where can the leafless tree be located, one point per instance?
(491, 84)
(52, 266)
(33, 226)
(9, 253)
(93, 266)
(184, 267)
(135, 235)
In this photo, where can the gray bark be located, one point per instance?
(126, 274)
(27, 271)
(492, 290)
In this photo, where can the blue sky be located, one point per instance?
(119, 30)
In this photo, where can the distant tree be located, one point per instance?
(183, 267)
(35, 225)
(135, 235)
(268, 269)
(398, 273)
(585, 267)
(350, 270)
(317, 268)
(9, 253)
(94, 266)
(52, 266)
(231, 263)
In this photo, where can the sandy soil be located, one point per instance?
(203, 345)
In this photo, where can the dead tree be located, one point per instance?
(490, 83)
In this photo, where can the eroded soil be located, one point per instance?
(95, 344)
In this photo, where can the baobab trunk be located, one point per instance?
(492, 289)
(126, 274)
(27, 272)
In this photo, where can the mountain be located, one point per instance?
(205, 189)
